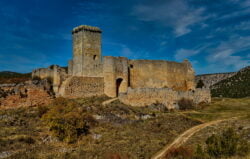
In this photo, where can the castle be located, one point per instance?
(91, 74)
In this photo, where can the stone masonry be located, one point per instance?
(91, 74)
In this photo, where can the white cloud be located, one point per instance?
(243, 11)
(176, 14)
(224, 55)
(243, 26)
(185, 53)
(182, 54)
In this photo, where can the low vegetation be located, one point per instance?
(224, 145)
(186, 104)
(83, 128)
(237, 86)
(67, 120)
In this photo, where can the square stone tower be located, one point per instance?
(87, 57)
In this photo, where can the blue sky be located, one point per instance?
(213, 34)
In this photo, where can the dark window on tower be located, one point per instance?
(94, 57)
(131, 66)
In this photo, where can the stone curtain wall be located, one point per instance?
(148, 96)
(77, 87)
(161, 74)
(211, 79)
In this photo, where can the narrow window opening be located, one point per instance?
(94, 57)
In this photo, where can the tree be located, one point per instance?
(200, 84)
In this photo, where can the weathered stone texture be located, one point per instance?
(56, 73)
(30, 93)
(87, 58)
(211, 79)
(90, 75)
(147, 96)
(115, 75)
(76, 87)
(70, 67)
(161, 74)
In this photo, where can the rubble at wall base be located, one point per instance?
(140, 97)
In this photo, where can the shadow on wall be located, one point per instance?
(118, 84)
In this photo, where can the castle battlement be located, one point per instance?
(87, 28)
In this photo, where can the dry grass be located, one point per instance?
(122, 131)
(222, 108)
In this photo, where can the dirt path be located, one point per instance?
(184, 137)
(109, 101)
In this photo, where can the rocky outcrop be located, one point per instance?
(211, 79)
(29, 93)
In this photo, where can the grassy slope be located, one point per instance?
(124, 135)
(237, 86)
(121, 133)
(222, 108)
(13, 77)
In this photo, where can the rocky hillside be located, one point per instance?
(210, 79)
(7, 77)
(236, 86)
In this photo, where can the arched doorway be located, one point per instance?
(118, 83)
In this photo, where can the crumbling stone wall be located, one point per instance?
(115, 75)
(147, 96)
(77, 87)
(56, 73)
(211, 79)
(161, 74)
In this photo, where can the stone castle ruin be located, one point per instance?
(133, 81)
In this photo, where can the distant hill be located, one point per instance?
(209, 80)
(13, 77)
(236, 86)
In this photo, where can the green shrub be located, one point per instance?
(42, 110)
(185, 104)
(67, 120)
(227, 144)
(200, 84)
(200, 154)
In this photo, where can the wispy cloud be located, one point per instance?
(177, 14)
(182, 54)
(225, 54)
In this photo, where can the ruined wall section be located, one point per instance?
(29, 93)
(115, 69)
(56, 73)
(161, 74)
(87, 58)
(147, 96)
(78, 87)
(211, 79)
